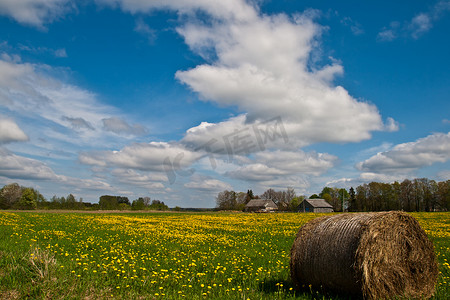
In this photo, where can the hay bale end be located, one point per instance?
(374, 255)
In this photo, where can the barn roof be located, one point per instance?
(261, 203)
(319, 203)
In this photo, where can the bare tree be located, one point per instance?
(226, 200)
(10, 195)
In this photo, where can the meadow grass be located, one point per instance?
(169, 255)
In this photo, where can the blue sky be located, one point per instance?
(179, 100)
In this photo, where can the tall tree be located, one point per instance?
(250, 196)
(9, 195)
(361, 197)
(241, 200)
(407, 194)
(343, 197)
(108, 202)
(443, 195)
(352, 202)
(226, 200)
(269, 194)
(28, 199)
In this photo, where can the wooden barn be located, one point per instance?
(315, 205)
(260, 205)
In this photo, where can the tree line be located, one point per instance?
(420, 194)
(14, 196)
(285, 200)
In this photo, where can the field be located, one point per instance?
(168, 255)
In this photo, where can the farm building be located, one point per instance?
(260, 205)
(315, 205)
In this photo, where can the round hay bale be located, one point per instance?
(374, 255)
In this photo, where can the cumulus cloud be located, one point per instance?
(256, 172)
(23, 168)
(243, 77)
(238, 41)
(152, 181)
(207, 184)
(143, 156)
(34, 12)
(10, 132)
(407, 157)
(19, 167)
(236, 136)
(391, 125)
(281, 169)
(119, 126)
(269, 164)
(291, 162)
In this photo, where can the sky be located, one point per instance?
(178, 100)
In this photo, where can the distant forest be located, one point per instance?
(420, 194)
(14, 196)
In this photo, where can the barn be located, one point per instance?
(260, 205)
(315, 205)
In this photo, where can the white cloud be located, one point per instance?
(57, 53)
(292, 162)
(281, 169)
(78, 123)
(34, 12)
(10, 132)
(312, 109)
(363, 178)
(207, 184)
(85, 184)
(142, 28)
(142, 156)
(60, 52)
(369, 177)
(238, 41)
(389, 33)
(354, 26)
(31, 90)
(256, 172)
(35, 92)
(231, 9)
(152, 181)
(19, 167)
(407, 157)
(119, 126)
(444, 175)
(391, 125)
(386, 35)
(417, 26)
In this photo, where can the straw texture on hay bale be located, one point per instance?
(374, 255)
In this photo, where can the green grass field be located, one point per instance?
(169, 255)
